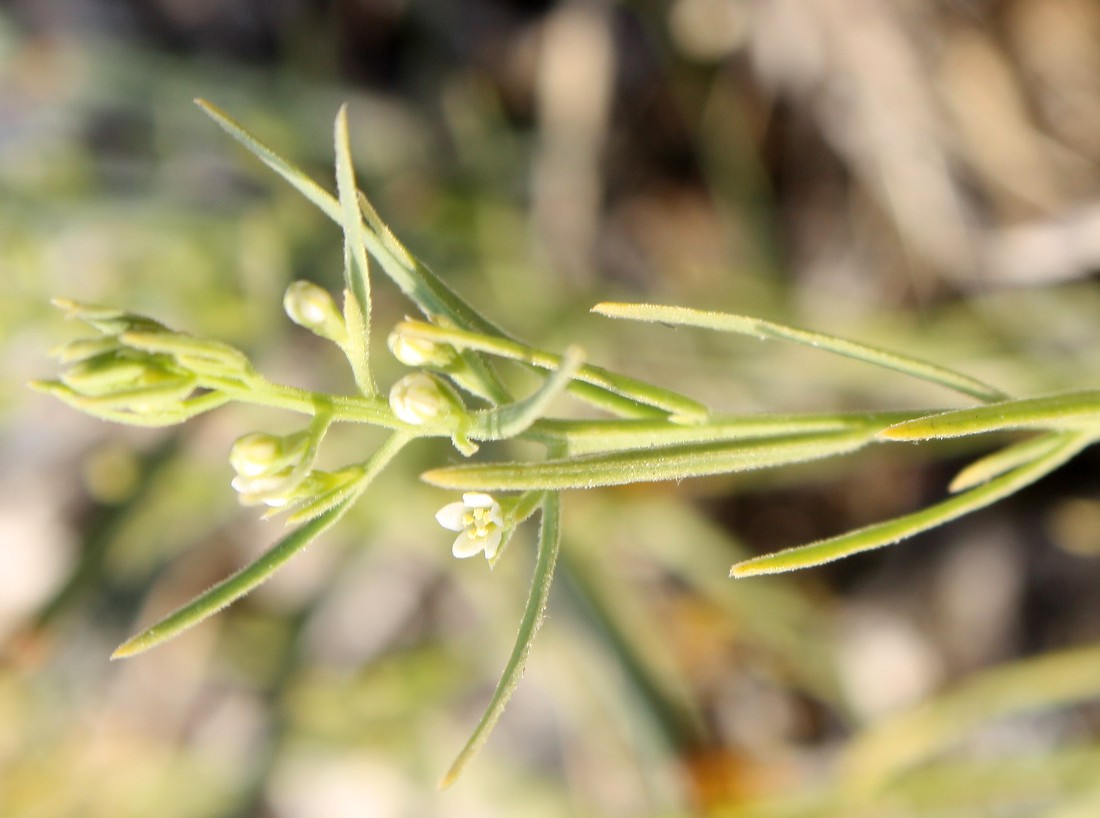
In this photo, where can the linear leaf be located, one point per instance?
(413, 278)
(511, 419)
(1003, 460)
(533, 614)
(232, 588)
(746, 325)
(1070, 410)
(892, 531)
(259, 570)
(592, 436)
(356, 269)
(651, 464)
(683, 407)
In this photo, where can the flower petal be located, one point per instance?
(475, 499)
(450, 516)
(467, 546)
(491, 542)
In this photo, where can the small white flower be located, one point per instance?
(479, 519)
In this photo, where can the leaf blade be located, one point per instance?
(1069, 410)
(233, 587)
(356, 269)
(759, 328)
(899, 528)
(690, 410)
(649, 465)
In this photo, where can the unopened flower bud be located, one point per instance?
(120, 371)
(312, 307)
(420, 398)
(259, 453)
(413, 350)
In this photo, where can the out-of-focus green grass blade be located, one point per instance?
(892, 531)
(683, 408)
(640, 466)
(1071, 410)
(591, 436)
(549, 545)
(1030, 784)
(356, 269)
(745, 325)
(258, 571)
(1003, 460)
(1031, 685)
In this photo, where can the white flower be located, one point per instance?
(479, 519)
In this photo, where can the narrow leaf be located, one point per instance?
(356, 270)
(684, 408)
(892, 531)
(503, 422)
(745, 325)
(1003, 460)
(288, 170)
(232, 588)
(652, 464)
(257, 572)
(549, 543)
(1071, 410)
(591, 436)
(415, 280)
(180, 411)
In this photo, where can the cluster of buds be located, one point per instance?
(139, 369)
(276, 471)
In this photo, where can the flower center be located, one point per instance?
(478, 522)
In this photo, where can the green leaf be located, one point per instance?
(110, 410)
(356, 269)
(745, 325)
(651, 464)
(591, 436)
(413, 278)
(892, 531)
(685, 409)
(503, 422)
(1003, 460)
(1070, 410)
(549, 544)
(232, 588)
(258, 571)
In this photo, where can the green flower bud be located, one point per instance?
(119, 371)
(108, 320)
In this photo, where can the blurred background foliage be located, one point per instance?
(919, 175)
